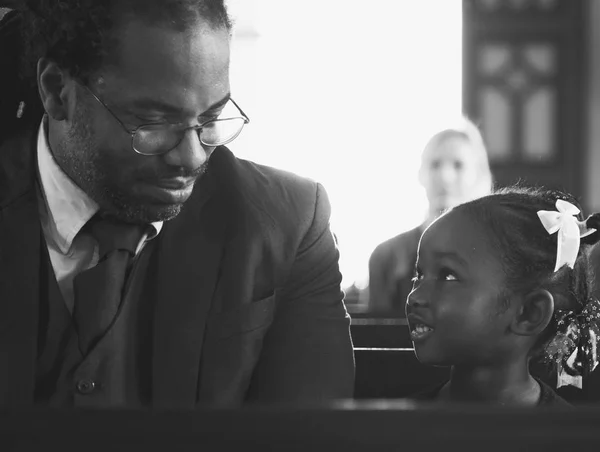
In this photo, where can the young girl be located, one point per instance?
(498, 280)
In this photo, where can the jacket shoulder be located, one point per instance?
(280, 198)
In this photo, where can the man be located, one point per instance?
(141, 263)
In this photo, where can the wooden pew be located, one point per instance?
(386, 366)
(380, 332)
(366, 426)
(393, 373)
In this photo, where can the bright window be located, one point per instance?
(347, 92)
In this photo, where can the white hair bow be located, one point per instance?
(569, 229)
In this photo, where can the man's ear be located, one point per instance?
(534, 313)
(52, 84)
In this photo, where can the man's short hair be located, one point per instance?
(79, 34)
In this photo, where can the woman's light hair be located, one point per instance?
(466, 129)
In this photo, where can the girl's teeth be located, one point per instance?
(422, 329)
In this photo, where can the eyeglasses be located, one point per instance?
(157, 139)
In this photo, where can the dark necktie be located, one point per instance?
(98, 291)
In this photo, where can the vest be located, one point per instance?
(117, 371)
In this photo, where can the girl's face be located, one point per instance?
(449, 173)
(454, 311)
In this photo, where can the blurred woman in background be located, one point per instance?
(454, 169)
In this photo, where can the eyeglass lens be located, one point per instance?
(155, 139)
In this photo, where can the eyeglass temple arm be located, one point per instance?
(239, 108)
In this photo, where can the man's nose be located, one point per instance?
(190, 153)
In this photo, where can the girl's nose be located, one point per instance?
(416, 298)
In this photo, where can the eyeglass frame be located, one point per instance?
(133, 132)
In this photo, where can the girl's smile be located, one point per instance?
(419, 330)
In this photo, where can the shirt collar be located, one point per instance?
(68, 207)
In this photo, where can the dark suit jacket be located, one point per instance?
(391, 268)
(248, 302)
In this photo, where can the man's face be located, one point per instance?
(161, 76)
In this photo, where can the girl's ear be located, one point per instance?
(533, 314)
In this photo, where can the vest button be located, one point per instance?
(85, 386)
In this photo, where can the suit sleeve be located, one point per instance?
(307, 355)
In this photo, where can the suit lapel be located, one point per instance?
(188, 259)
(20, 236)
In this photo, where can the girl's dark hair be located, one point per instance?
(79, 36)
(528, 252)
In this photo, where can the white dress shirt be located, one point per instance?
(64, 210)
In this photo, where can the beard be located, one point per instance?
(94, 172)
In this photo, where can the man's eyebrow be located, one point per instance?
(165, 107)
(221, 103)
(451, 255)
(157, 105)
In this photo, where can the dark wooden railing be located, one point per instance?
(345, 426)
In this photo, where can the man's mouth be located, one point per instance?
(168, 191)
(175, 183)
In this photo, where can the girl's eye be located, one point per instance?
(444, 274)
(448, 275)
